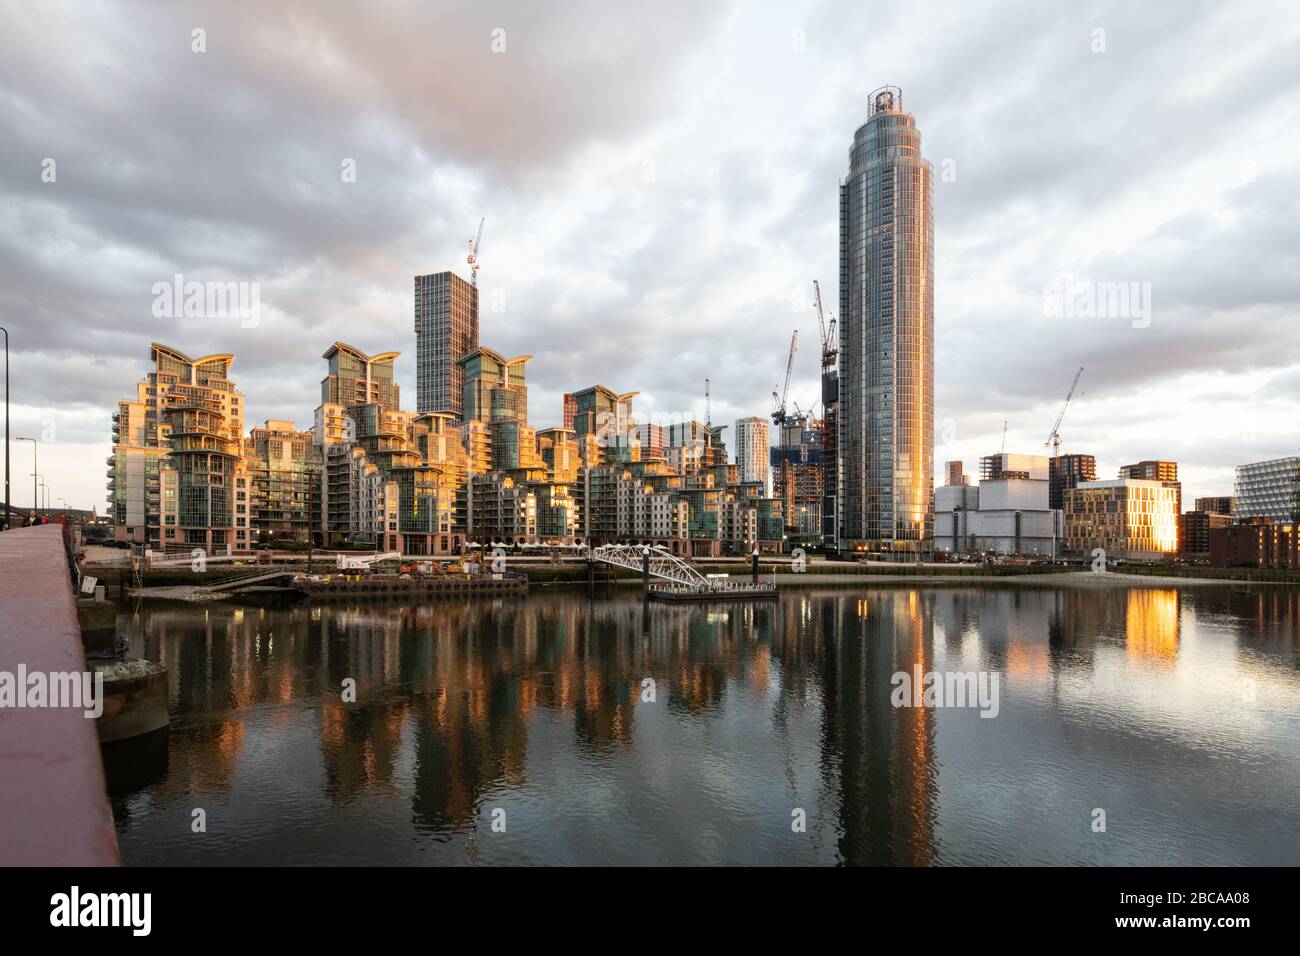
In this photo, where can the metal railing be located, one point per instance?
(713, 586)
(663, 563)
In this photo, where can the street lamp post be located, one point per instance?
(35, 501)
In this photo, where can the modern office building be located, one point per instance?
(885, 481)
(1157, 470)
(1129, 518)
(955, 472)
(753, 451)
(176, 477)
(446, 330)
(1268, 489)
(1218, 505)
(1066, 471)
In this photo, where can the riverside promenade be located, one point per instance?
(54, 808)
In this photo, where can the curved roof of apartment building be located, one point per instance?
(494, 355)
(157, 347)
(353, 350)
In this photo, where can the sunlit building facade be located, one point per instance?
(1129, 518)
(446, 330)
(177, 474)
(885, 446)
(602, 412)
(753, 450)
(284, 470)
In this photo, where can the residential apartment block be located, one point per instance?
(1219, 505)
(885, 419)
(1067, 471)
(1194, 528)
(753, 451)
(177, 480)
(1259, 544)
(371, 474)
(446, 330)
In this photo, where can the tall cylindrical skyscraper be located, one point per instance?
(886, 357)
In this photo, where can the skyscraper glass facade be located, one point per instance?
(446, 330)
(885, 479)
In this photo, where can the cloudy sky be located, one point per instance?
(660, 188)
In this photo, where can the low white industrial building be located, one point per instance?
(1005, 516)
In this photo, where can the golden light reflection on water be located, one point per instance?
(1028, 661)
(1151, 623)
(757, 707)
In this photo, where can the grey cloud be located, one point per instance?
(226, 165)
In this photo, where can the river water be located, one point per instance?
(1144, 726)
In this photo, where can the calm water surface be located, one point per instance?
(1177, 712)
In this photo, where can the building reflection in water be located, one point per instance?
(458, 703)
(878, 759)
(1151, 626)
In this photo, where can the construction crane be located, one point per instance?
(778, 398)
(475, 246)
(1003, 449)
(708, 417)
(1054, 439)
(830, 349)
